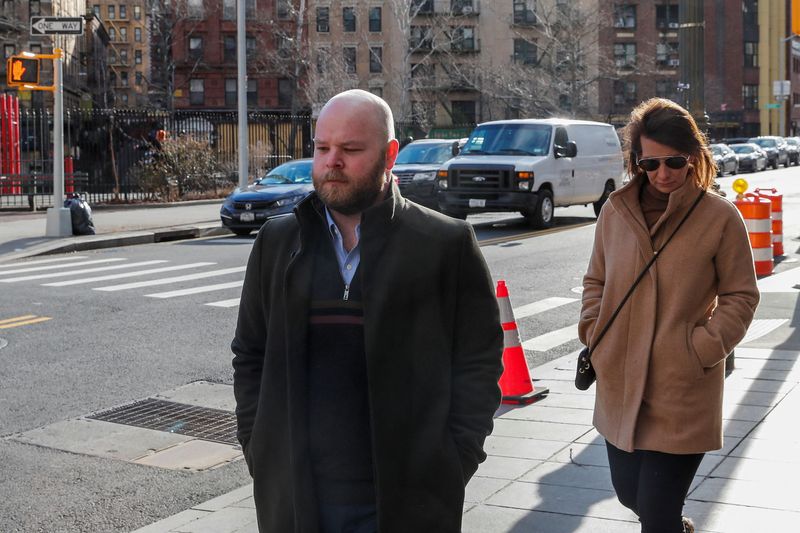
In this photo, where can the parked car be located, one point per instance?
(793, 149)
(774, 147)
(725, 159)
(751, 157)
(416, 167)
(531, 166)
(274, 195)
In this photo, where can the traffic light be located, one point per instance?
(22, 71)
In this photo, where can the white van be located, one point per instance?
(532, 166)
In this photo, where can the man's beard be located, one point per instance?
(357, 195)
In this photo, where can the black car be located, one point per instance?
(416, 167)
(774, 147)
(751, 157)
(274, 195)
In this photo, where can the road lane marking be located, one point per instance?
(54, 267)
(761, 327)
(26, 322)
(233, 302)
(43, 261)
(784, 282)
(80, 271)
(196, 290)
(166, 281)
(16, 319)
(541, 306)
(125, 275)
(550, 340)
(531, 234)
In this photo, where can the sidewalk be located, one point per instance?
(22, 234)
(547, 470)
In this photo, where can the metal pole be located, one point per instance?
(241, 90)
(59, 223)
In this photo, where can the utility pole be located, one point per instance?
(691, 36)
(241, 90)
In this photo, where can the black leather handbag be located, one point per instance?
(585, 374)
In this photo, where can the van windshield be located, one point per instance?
(509, 139)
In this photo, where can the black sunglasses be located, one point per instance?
(650, 164)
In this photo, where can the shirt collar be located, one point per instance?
(336, 235)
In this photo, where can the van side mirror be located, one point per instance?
(570, 150)
(454, 149)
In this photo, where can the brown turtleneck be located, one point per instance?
(653, 203)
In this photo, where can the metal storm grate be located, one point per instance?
(204, 423)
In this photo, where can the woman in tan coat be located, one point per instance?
(660, 368)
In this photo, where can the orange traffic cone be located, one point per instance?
(515, 383)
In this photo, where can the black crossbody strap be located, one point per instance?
(643, 272)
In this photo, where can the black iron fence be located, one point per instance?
(106, 150)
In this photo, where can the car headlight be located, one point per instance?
(524, 185)
(291, 200)
(424, 176)
(443, 183)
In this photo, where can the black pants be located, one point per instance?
(653, 485)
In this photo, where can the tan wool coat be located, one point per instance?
(660, 370)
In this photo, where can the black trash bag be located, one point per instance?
(81, 215)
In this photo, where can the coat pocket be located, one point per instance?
(694, 363)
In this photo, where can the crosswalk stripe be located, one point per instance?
(196, 290)
(761, 327)
(26, 322)
(54, 267)
(16, 319)
(80, 271)
(166, 281)
(550, 340)
(787, 281)
(233, 302)
(125, 275)
(541, 306)
(43, 261)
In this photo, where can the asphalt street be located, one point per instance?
(94, 349)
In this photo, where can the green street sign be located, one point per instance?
(773, 106)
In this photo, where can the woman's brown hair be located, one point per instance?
(665, 122)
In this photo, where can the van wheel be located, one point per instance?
(461, 215)
(598, 205)
(542, 215)
(242, 232)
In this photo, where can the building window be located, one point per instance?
(750, 54)
(139, 78)
(229, 48)
(197, 92)
(112, 34)
(283, 44)
(137, 34)
(285, 92)
(375, 59)
(137, 12)
(525, 52)
(112, 12)
(123, 11)
(323, 59)
(421, 7)
(124, 97)
(123, 56)
(137, 57)
(323, 20)
(624, 93)
(252, 93)
(250, 46)
(195, 48)
(423, 76)
(624, 55)
(667, 89)
(349, 19)
(123, 34)
(35, 8)
(123, 77)
(375, 15)
(624, 16)
(525, 12)
(463, 39)
(461, 7)
(229, 10)
(420, 38)
(463, 112)
(230, 92)
(250, 9)
(750, 96)
(9, 50)
(667, 55)
(349, 56)
(377, 91)
(112, 56)
(96, 10)
(195, 9)
(284, 9)
(749, 14)
(667, 17)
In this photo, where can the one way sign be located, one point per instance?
(56, 25)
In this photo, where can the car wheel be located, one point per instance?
(775, 165)
(242, 232)
(598, 205)
(542, 215)
(461, 215)
(787, 163)
(735, 168)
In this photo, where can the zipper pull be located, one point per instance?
(346, 292)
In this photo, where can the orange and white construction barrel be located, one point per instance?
(757, 212)
(777, 218)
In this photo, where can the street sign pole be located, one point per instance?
(59, 223)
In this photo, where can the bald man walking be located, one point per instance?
(368, 347)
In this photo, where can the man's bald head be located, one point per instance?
(368, 107)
